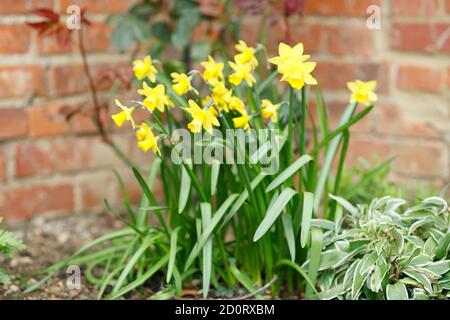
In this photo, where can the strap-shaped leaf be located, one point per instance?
(289, 234)
(215, 170)
(308, 203)
(273, 212)
(396, 291)
(207, 249)
(289, 172)
(185, 188)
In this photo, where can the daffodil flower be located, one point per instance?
(269, 110)
(146, 139)
(241, 72)
(124, 115)
(201, 118)
(237, 104)
(213, 71)
(145, 69)
(181, 83)
(221, 96)
(363, 92)
(155, 98)
(292, 65)
(242, 122)
(246, 55)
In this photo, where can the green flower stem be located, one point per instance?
(290, 125)
(329, 157)
(253, 102)
(302, 136)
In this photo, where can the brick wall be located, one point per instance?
(410, 58)
(50, 166)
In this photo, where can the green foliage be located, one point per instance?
(8, 244)
(382, 251)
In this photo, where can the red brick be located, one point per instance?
(96, 187)
(82, 124)
(345, 40)
(65, 155)
(14, 38)
(349, 8)
(24, 6)
(334, 75)
(428, 37)
(68, 79)
(2, 165)
(311, 35)
(412, 158)
(18, 82)
(414, 8)
(24, 202)
(420, 78)
(13, 123)
(448, 77)
(46, 120)
(391, 120)
(448, 6)
(100, 6)
(96, 38)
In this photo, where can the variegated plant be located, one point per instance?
(381, 251)
(8, 243)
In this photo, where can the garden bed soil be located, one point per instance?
(49, 240)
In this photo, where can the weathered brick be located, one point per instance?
(66, 154)
(24, 202)
(415, 8)
(96, 39)
(310, 34)
(335, 75)
(413, 77)
(348, 8)
(100, 6)
(421, 37)
(392, 120)
(95, 187)
(347, 40)
(46, 120)
(24, 6)
(16, 82)
(412, 158)
(13, 123)
(448, 6)
(3, 164)
(14, 38)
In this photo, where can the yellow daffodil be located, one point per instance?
(246, 55)
(213, 72)
(241, 72)
(181, 83)
(292, 65)
(237, 104)
(221, 96)
(269, 110)
(242, 122)
(155, 98)
(201, 118)
(363, 92)
(124, 115)
(145, 69)
(146, 139)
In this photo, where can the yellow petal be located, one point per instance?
(119, 118)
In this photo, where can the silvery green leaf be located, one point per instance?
(429, 248)
(438, 268)
(418, 224)
(358, 280)
(348, 277)
(421, 260)
(368, 262)
(436, 204)
(331, 258)
(396, 291)
(421, 278)
(394, 204)
(443, 247)
(323, 224)
(377, 277)
(420, 294)
(333, 293)
(419, 243)
(344, 203)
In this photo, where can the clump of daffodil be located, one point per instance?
(146, 139)
(246, 55)
(213, 71)
(181, 83)
(201, 118)
(293, 66)
(241, 72)
(236, 104)
(124, 115)
(269, 110)
(363, 92)
(221, 96)
(155, 98)
(145, 69)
